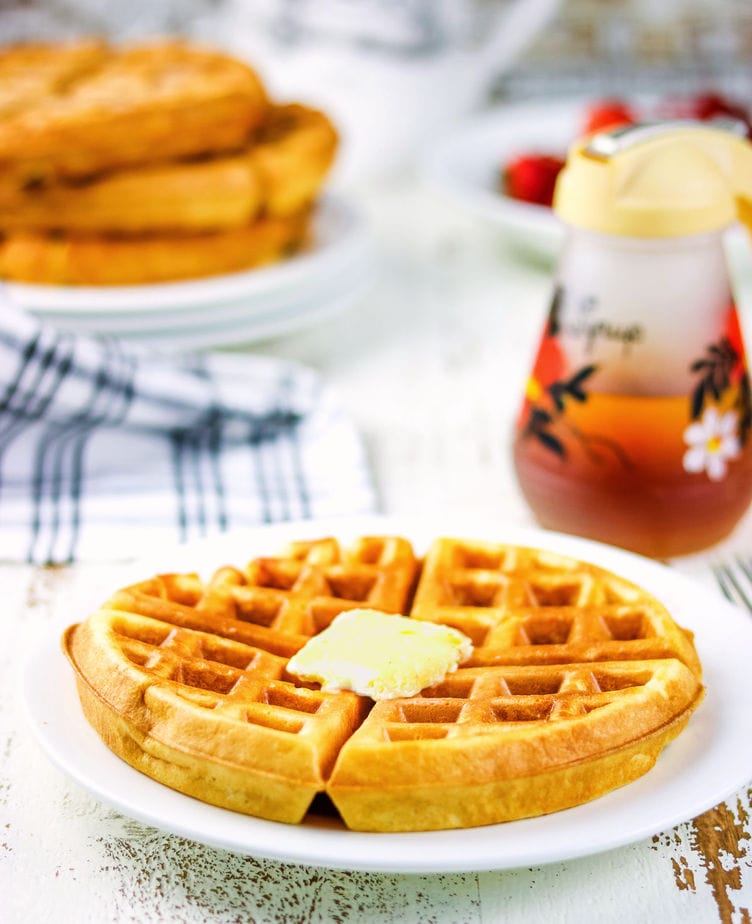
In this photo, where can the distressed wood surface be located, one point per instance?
(431, 366)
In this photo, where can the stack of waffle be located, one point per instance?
(577, 681)
(149, 163)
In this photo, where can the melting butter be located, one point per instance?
(380, 655)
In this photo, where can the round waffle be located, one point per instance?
(277, 174)
(108, 260)
(577, 681)
(127, 106)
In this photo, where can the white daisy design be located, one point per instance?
(712, 442)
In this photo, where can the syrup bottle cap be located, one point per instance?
(658, 179)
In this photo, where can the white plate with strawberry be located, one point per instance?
(503, 164)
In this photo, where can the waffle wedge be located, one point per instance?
(577, 681)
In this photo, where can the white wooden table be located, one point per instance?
(431, 365)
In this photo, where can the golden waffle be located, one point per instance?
(106, 260)
(277, 175)
(136, 105)
(186, 680)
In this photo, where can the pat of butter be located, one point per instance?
(379, 655)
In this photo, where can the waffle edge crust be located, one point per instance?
(577, 681)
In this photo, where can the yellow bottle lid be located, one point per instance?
(664, 179)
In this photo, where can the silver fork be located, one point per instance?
(734, 577)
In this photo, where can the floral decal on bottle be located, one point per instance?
(712, 443)
(716, 437)
(548, 390)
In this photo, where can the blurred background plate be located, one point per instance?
(467, 165)
(235, 323)
(215, 311)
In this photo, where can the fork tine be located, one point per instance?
(746, 567)
(730, 585)
(720, 572)
(740, 589)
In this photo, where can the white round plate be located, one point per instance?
(704, 766)
(466, 166)
(242, 309)
(218, 330)
(335, 266)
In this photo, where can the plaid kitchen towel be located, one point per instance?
(106, 450)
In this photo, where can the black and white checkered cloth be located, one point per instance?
(106, 450)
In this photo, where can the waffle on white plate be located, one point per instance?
(576, 682)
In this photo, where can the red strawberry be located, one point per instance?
(532, 177)
(607, 114)
(705, 106)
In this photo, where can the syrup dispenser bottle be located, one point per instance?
(636, 423)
